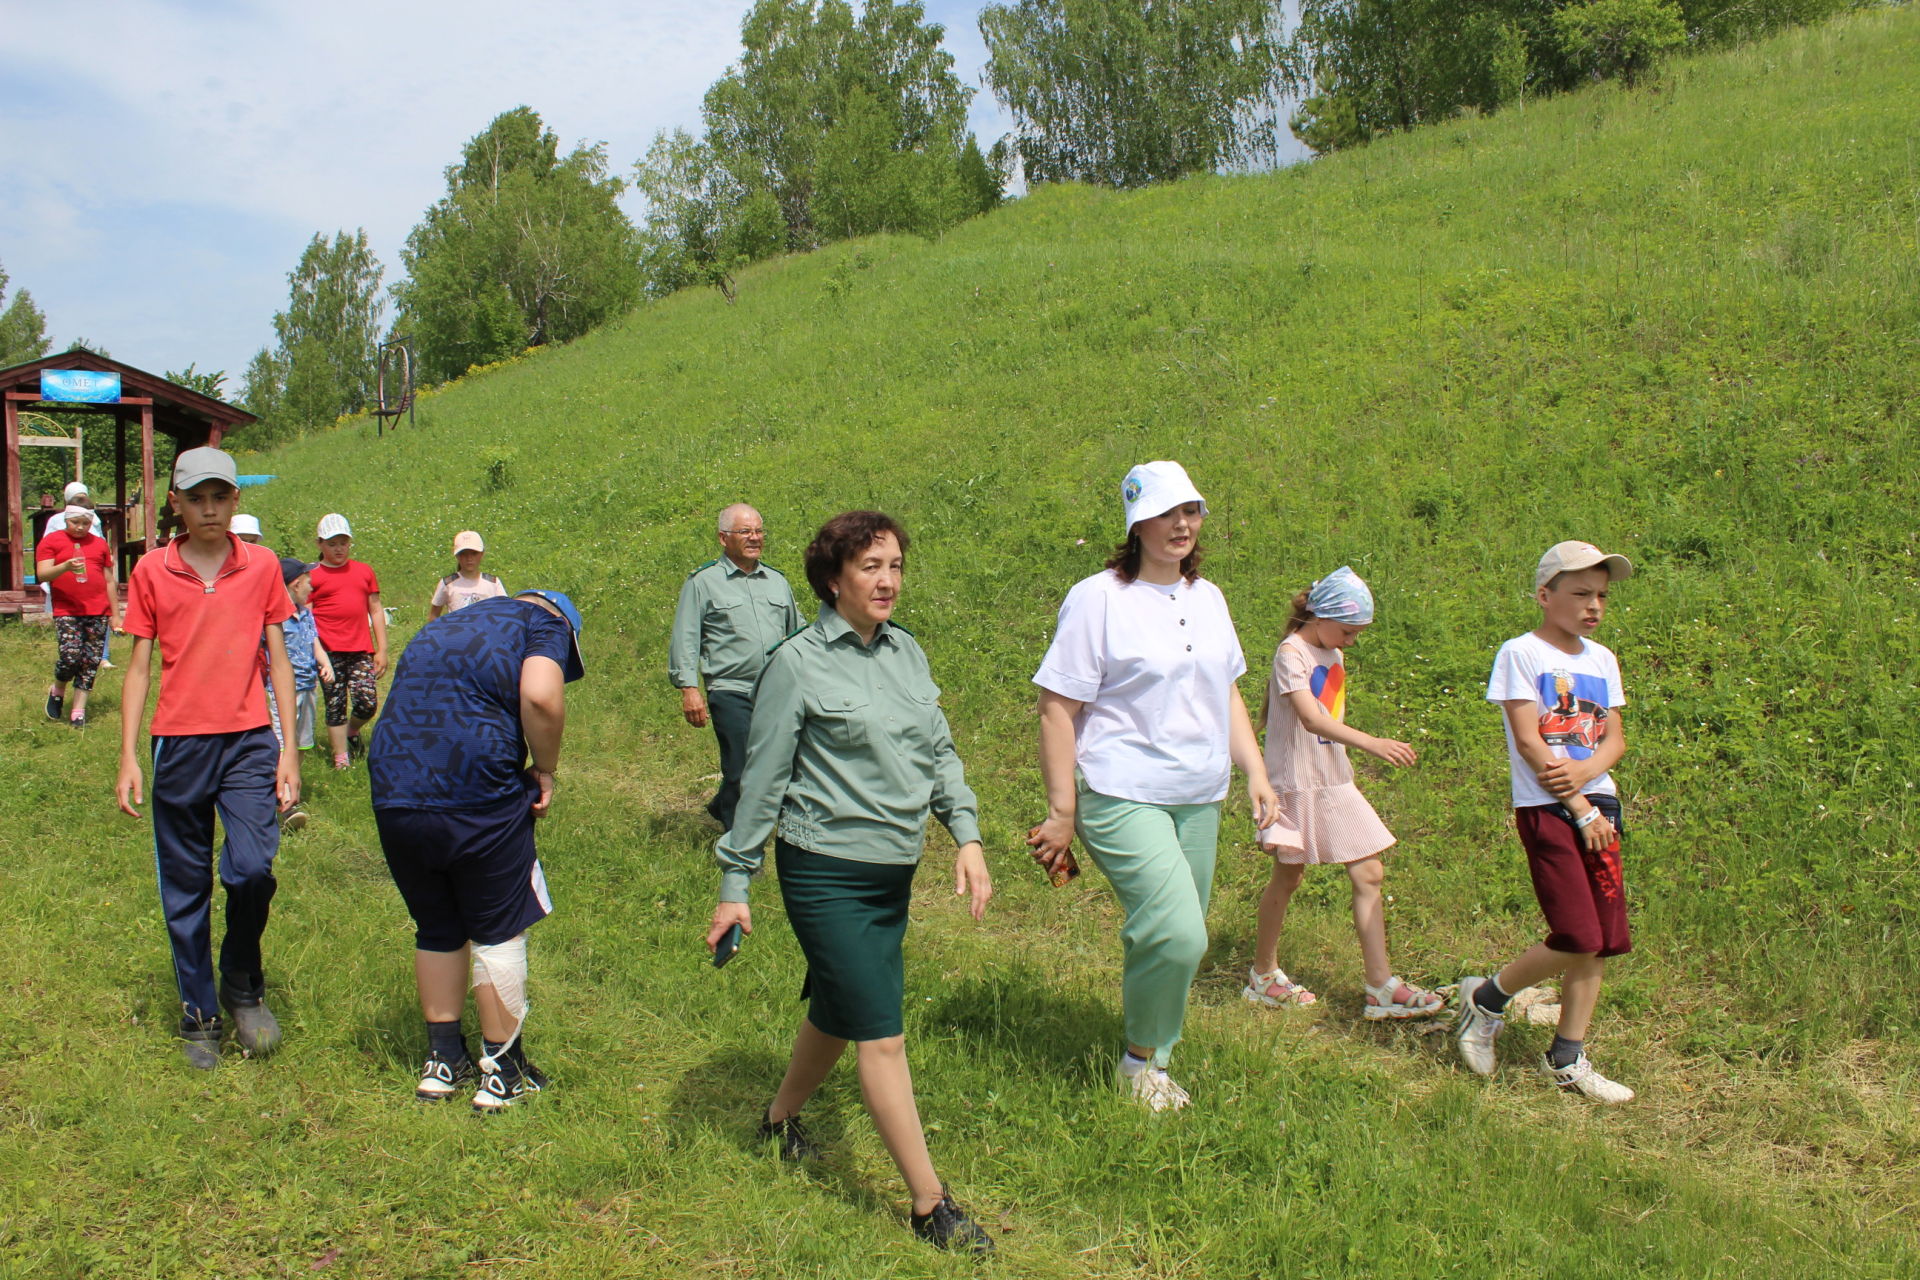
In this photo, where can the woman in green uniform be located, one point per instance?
(848, 753)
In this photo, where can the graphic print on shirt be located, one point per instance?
(1329, 685)
(1575, 711)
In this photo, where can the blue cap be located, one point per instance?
(291, 568)
(559, 601)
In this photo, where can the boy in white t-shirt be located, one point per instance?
(1562, 697)
(459, 589)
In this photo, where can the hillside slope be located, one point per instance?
(1682, 322)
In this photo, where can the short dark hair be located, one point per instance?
(840, 540)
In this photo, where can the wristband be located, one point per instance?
(1587, 819)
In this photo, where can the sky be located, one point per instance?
(157, 185)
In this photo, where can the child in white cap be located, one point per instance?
(1323, 816)
(1561, 693)
(353, 631)
(466, 583)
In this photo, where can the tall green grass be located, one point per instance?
(1680, 322)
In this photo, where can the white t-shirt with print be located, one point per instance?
(1574, 693)
(1155, 666)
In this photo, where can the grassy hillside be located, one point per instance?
(1682, 322)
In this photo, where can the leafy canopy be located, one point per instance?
(833, 123)
(1123, 93)
(527, 247)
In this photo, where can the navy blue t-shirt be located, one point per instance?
(449, 736)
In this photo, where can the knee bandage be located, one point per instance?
(503, 966)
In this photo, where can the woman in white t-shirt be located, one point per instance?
(1140, 722)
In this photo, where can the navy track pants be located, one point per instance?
(195, 776)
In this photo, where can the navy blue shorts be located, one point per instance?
(467, 875)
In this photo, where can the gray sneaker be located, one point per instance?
(1477, 1029)
(254, 1027)
(200, 1042)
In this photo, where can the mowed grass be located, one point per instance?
(1681, 322)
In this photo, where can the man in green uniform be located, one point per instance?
(732, 611)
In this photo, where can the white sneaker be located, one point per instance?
(1477, 1029)
(1156, 1088)
(1580, 1077)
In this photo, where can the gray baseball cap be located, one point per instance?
(196, 466)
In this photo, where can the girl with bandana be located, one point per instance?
(1323, 816)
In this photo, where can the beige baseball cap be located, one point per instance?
(333, 525)
(467, 540)
(1568, 557)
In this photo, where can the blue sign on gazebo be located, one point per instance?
(79, 386)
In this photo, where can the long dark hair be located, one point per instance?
(1125, 560)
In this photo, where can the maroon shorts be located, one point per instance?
(1583, 895)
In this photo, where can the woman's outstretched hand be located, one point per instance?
(725, 916)
(970, 877)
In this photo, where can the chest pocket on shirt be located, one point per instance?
(722, 616)
(842, 717)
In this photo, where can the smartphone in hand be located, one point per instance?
(728, 944)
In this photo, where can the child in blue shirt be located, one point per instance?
(310, 666)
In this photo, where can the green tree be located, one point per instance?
(23, 327)
(262, 386)
(328, 337)
(1123, 93)
(1376, 66)
(1622, 39)
(833, 123)
(207, 384)
(527, 247)
(1366, 67)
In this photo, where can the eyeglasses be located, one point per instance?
(748, 533)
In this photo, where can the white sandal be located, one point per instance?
(1275, 990)
(1381, 1004)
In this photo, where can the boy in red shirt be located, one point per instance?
(353, 631)
(205, 598)
(77, 566)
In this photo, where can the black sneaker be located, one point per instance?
(78, 722)
(947, 1226)
(200, 1041)
(506, 1084)
(55, 701)
(355, 747)
(440, 1079)
(796, 1144)
(254, 1026)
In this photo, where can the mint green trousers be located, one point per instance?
(1159, 859)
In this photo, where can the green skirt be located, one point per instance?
(849, 918)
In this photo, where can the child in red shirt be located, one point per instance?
(77, 566)
(205, 598)
(353, 631)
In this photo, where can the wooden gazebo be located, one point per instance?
(192, 419)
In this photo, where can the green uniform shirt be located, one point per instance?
(848, 754)
(726, 622)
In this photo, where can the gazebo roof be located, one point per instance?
(183, 413)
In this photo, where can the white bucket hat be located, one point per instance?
(332, 525)
(243, 524)
(1155, 488)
